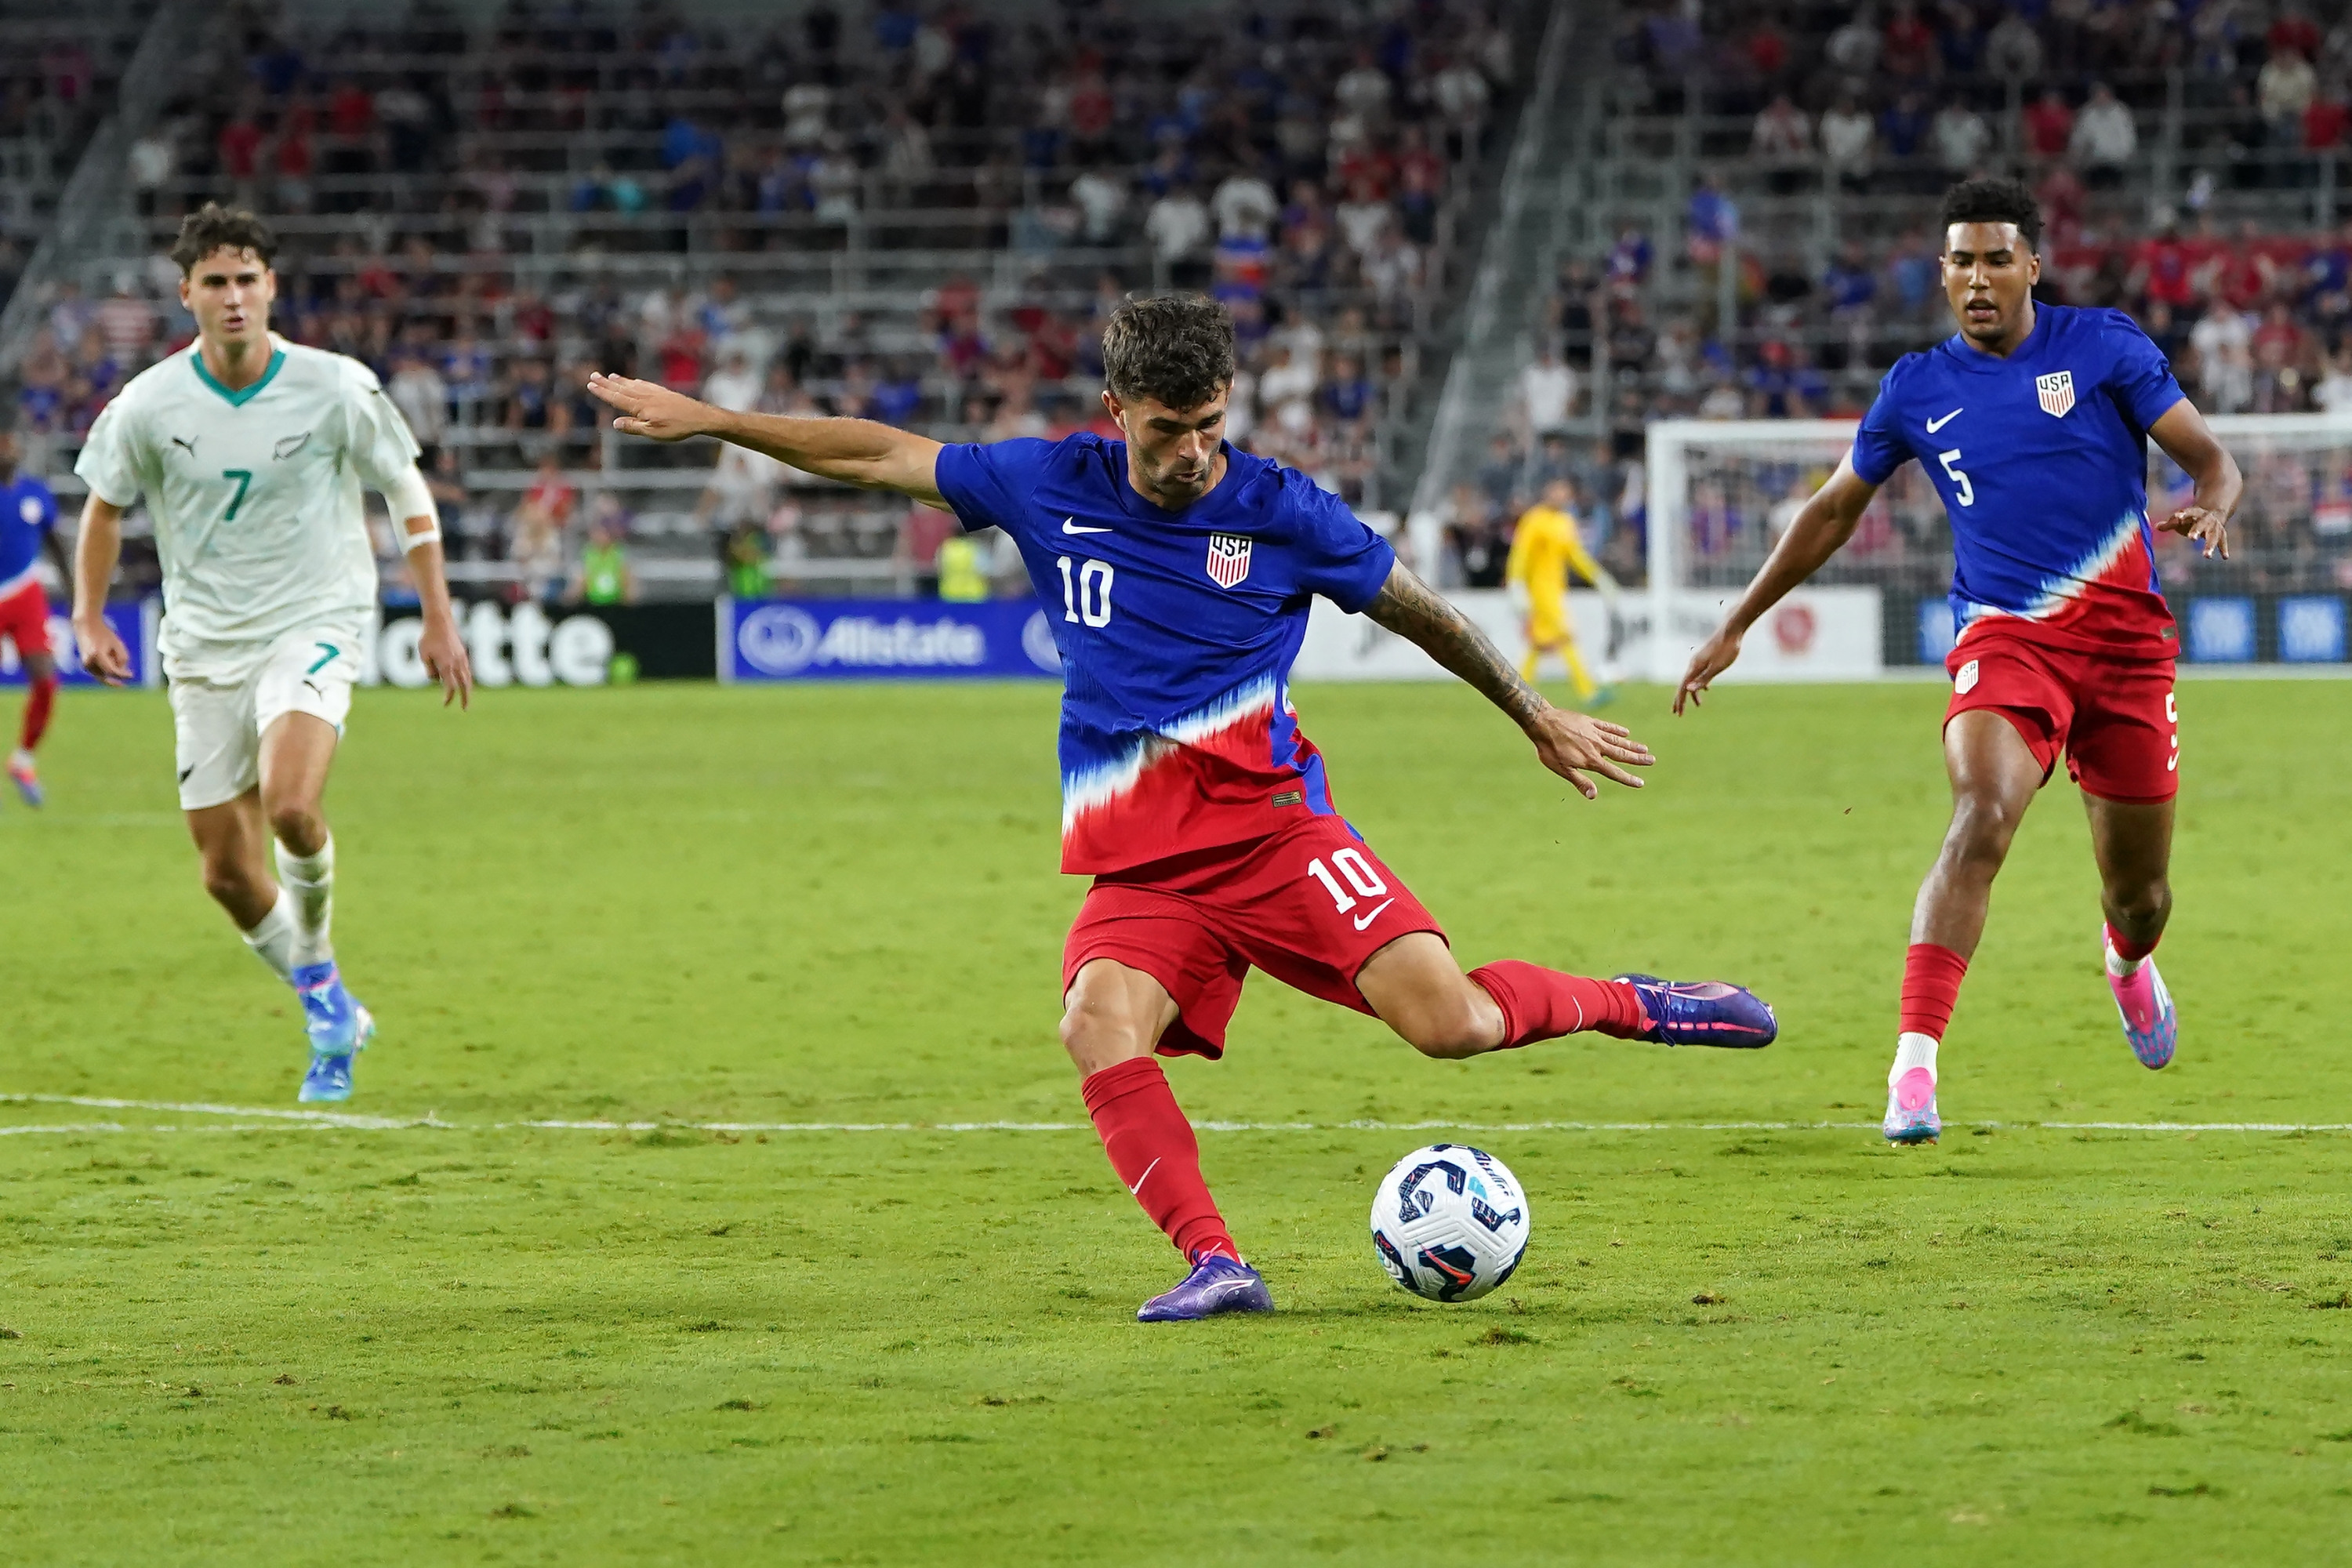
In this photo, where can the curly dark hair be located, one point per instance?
(1995, 200)
(212, 227)
(1177, 350)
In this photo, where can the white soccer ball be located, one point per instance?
(1449, 1222)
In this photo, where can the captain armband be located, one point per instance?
(411, 497)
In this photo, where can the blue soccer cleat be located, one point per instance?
(338, 1026)
(1911, 1109)
(1217, 1285)
(329, 1080)
(1703, 1013)
(27, 782)
(2151, 1023)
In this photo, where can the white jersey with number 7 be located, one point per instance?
(255, 493)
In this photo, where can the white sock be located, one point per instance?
(311, 883)
(273, 941)
(20, 758)
(1913, 1050)
(2119, 966)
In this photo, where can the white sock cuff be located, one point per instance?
(307, 868)
(1913, 1050)
(279, 920)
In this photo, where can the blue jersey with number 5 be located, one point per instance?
(2041, 460)
(1177, 630)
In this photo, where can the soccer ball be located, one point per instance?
(1449, 1222)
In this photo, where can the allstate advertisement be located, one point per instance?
(884, 639)
(135, 623)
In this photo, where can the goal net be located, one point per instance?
(1721, 492)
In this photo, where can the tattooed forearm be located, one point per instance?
(1417, 612)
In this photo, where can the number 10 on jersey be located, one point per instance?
(1086, 591)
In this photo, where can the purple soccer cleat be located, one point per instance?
(1703, 1013)
(1217, 1284)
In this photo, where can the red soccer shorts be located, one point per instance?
(24, 620)
(2114, 718)
(1309, 905)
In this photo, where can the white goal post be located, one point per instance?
(1715, 489)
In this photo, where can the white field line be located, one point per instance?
(282, 1121)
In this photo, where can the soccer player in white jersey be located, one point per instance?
(250, 452)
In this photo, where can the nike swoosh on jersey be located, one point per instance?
(1935, 425)
(1368, 916)
(1071, 525)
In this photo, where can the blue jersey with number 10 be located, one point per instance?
(1177, 630)
(2041, 460)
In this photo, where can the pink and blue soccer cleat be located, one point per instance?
(2151, 1023)
(1911, 1109)
(1703, 1013)
(1217, 1284)
(27, 781)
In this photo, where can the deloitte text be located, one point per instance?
(517, 647)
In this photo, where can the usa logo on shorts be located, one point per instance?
(1229, 556)
(2057, 390)
(1966, 681)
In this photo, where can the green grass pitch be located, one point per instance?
(234, 1341)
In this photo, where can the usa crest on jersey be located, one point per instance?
(2057, 390)
(1229, 558)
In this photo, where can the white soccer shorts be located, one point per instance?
(219, 719)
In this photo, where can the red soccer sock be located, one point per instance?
(1152, 1148)
(1541, 1003)
(38, 703)
(1931, 986)
(2131, 951)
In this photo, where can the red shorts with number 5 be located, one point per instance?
(2114, 718)
(1309, 905)
(24, 620)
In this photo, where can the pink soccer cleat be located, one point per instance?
(27, 782)
(1911, 1109)
(2151, 1023)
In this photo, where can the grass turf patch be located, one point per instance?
(680, 905)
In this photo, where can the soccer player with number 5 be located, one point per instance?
(250, 452)
(1177, 572)
(2033, 422)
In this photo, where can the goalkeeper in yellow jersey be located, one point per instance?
(1544, 549)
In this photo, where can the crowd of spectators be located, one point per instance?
(487, 216)
(58, 77)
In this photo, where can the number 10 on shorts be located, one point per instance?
(1359, 872)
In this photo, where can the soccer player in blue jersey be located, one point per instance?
(2032, 421)
(1177, 571)
(29, 522)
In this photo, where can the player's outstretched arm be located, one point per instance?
(96, 553)
(1570, 744)
(2189, 441)
(859, 452)
(1823, 524)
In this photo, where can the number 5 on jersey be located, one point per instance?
(1086, 594)
(1967, 493)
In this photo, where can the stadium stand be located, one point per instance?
(59, 66)
(915, 214)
